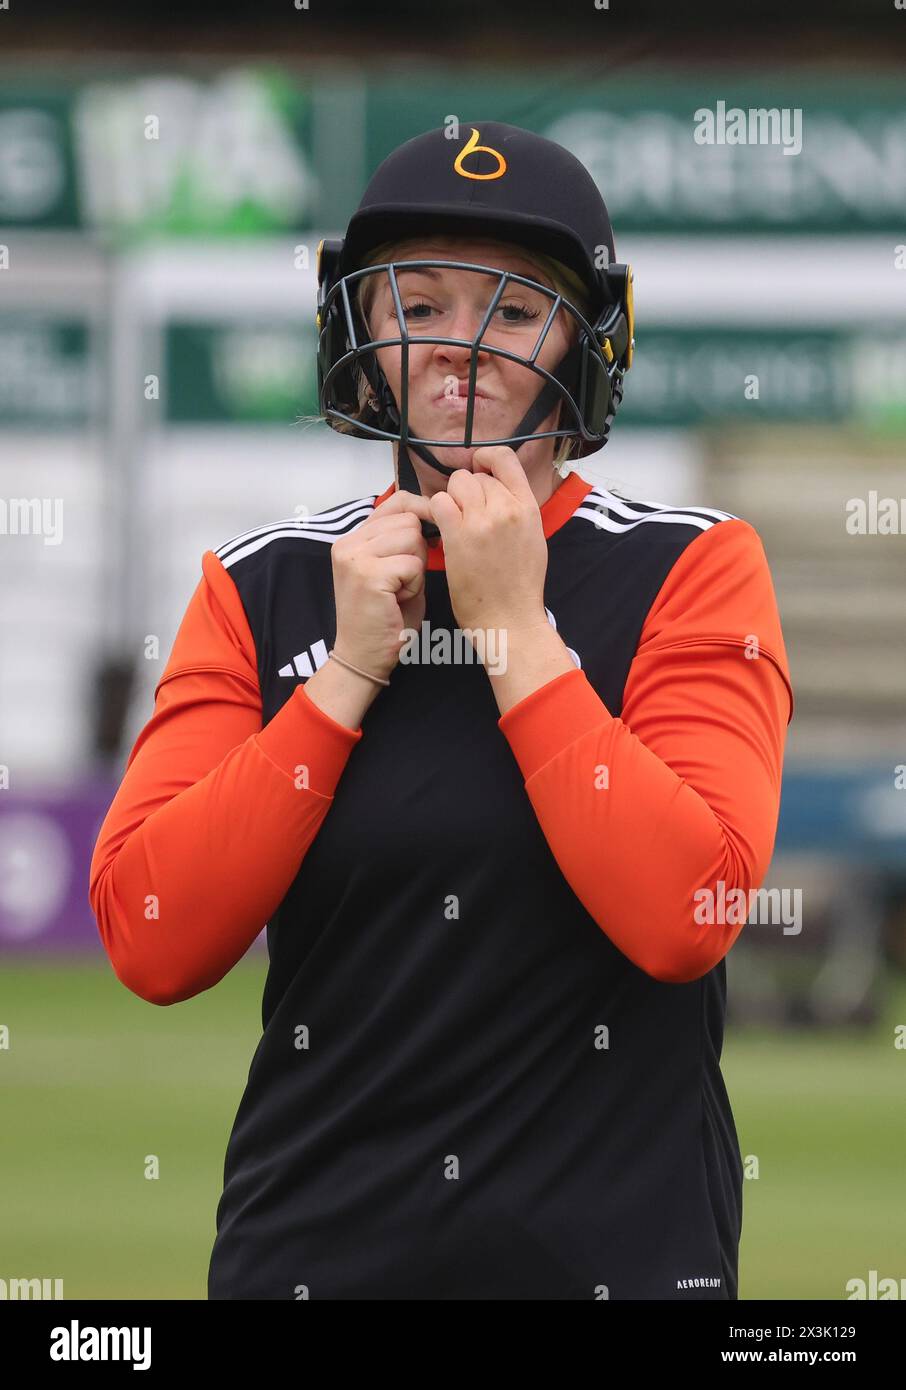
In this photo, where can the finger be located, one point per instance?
(403, 501)
(387, 543)
(502, 463)
(400, 524)
(465, 489)
(491, 487)
(447, 515)
(404, 576)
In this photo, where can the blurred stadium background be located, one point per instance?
(162, 194)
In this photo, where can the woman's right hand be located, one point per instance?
(379, 582)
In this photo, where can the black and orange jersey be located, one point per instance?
(492, 1020)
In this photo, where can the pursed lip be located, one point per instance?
(462, 392)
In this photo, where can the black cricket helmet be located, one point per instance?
(498, 182)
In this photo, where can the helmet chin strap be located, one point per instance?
(565, 373)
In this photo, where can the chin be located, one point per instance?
(460, 458)
(450, 455)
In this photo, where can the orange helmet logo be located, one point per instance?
(473, 147)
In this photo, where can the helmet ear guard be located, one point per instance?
(326, 260)
(602, 385)
(614, 330)
(333, 331)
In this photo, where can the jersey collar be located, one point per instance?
(555, 512)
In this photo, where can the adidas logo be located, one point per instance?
(304, 664)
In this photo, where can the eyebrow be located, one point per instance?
(432, 272)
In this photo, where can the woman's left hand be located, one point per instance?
(495, 551)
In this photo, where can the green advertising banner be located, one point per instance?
(681, 377)
(265, 373)
(38, 175)
(709, 153)
(170, 153)
(260, 149)
(51, 371)
(239, 373)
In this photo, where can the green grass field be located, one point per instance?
(95, 1079)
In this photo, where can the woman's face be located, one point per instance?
(452, 304)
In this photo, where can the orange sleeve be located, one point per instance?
(214, 813)
(682, 791)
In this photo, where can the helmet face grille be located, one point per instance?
(584, 380)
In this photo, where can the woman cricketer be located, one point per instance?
(488, 753)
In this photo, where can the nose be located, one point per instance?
(464, 324)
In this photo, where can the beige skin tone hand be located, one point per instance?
(496, 560)
(379, 589)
